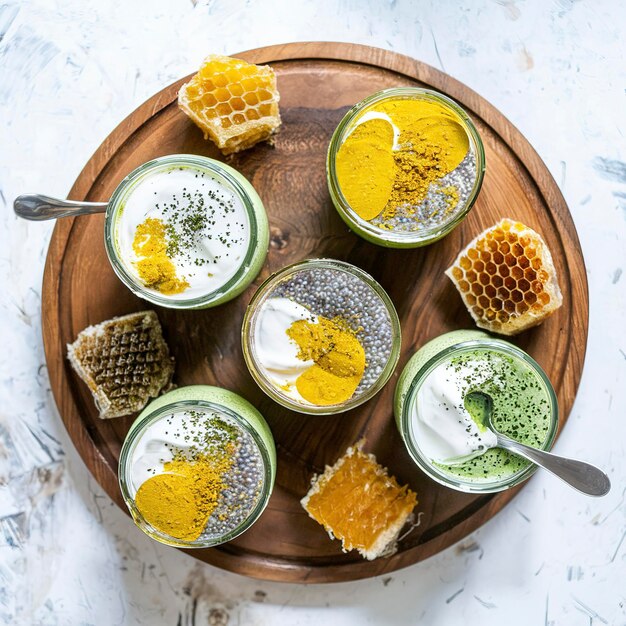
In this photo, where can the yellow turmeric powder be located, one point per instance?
(155, 268)
(339, 360)
(377, 177)
(366, 168)
(180, 501)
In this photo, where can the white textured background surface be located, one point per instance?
(70, 71)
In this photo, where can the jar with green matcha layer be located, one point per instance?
(441, 431)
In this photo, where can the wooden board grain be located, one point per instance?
(318, 82)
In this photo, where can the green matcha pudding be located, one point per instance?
(197, 467)
(443, 431)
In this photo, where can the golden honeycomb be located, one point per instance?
(235, 103)
(124, 361)
(359, 503)
(506, 278)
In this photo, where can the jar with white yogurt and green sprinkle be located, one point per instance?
(186, 232)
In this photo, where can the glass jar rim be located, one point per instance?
(425, 464)
(265, 289)
(138, 429)
(426, 235)
(116, 205)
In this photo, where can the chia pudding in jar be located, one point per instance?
(197, 467)
(404, 167)
(321, 336)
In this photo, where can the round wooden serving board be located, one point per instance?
(318, 82)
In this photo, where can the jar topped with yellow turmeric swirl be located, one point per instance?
(197, 467)
(404, 167)
(321, 336)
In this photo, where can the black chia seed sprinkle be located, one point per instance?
(190, 218)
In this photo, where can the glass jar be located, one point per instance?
(171, 424)
(414, 233)
(331, 289)
(469, 477)
(252, 257)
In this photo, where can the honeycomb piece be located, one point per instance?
(124, 362)
(507, 279)
(235, 103)
(357, 502)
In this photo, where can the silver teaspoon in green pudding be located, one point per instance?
(582, 476)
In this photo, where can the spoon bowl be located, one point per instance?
(250, 257)
(582, 476)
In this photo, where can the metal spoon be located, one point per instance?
(38, 208)
(582, 476)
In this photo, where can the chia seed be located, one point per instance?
(435, 209)
(333, 293)
(208, 433)
(243, 489)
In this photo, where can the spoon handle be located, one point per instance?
(37, 208)
(582, 476)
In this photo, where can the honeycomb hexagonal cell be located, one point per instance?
(507, 278)
(234, 103)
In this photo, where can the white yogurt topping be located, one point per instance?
(442, 427)
(219, 249)
(276, 352)
(175, 433)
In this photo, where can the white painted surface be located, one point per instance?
(70, 71)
